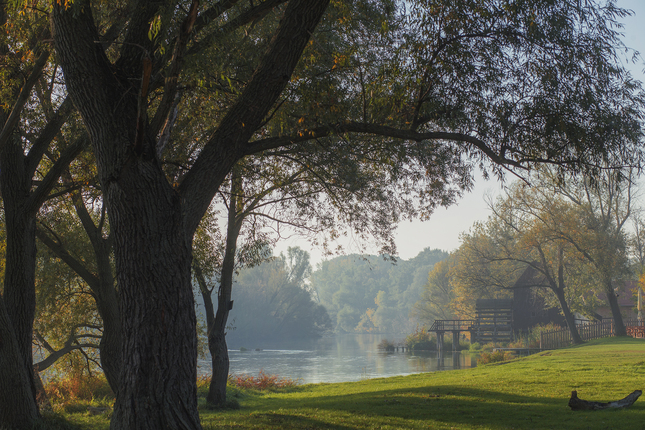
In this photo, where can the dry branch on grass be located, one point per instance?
(577, 404)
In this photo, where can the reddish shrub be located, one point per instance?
(263, 381)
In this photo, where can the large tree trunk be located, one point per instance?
(19, 299)
(157, 388)
(157, 384)
(152, 222)
(19, 409)
(20, 292)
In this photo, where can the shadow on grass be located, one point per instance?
(445, 406)
(54, 421)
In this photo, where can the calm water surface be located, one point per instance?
(337, 359)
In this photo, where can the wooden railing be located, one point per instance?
(561, 338)
(452, 325)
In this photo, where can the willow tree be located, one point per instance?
(447, 87)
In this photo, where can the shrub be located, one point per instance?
(535, 332)
(203, 384)
(386, 345)
(420, 341)
(494, 357)
(78, 387)
(475, 346)
(263, 381)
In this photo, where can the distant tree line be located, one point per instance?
(371, 293)
(272, 303)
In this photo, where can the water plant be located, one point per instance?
(386, 345)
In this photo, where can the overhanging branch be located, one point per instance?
(379, 130)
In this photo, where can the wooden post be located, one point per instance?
(440, 341)
(455, 341)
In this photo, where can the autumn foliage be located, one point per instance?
(263, 381)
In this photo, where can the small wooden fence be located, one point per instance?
(562, 338)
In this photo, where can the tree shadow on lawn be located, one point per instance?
(460, 406)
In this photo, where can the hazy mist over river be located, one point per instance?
(339, 358)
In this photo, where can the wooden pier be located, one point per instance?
(494, 323)
(439, 327)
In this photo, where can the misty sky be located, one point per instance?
(443, 229)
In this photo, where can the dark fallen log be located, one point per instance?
(577, 404)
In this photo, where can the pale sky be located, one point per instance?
(444, 227)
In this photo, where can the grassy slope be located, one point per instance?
(529, 393)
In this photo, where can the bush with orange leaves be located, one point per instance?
(73, 388)
(263, 381)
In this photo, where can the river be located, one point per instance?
(349, 357)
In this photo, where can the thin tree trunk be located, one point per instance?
(559, 292)
(568, 317)
(217, 331)
(110, 345)
(220, 362)
(558, 288)
(619, 325)
(105, 294)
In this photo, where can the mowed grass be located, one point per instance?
(527, 393)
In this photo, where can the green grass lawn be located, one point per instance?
(526, 393)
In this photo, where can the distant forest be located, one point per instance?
(370, 293)
(283, 299)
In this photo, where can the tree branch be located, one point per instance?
(237, 127)
(250, 15)
(23, 97)
(379, 130)
(170, 87)
(39, 195)
(77, 266)
(47, 135)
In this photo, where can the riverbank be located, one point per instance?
(527, 393)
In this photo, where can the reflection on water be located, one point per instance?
(337, 359)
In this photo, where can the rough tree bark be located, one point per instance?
(21, 204)
(19, 409)
(153, 223)
(20, 269)
(21, 201)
